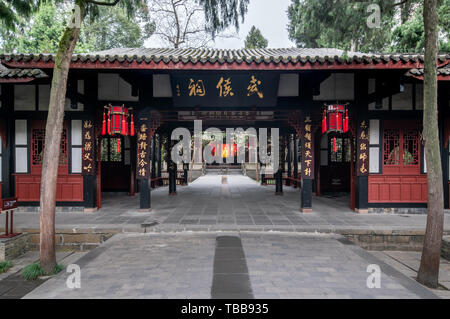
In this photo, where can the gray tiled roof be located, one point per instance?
(21, 73)
(440, 72)
(290, 55)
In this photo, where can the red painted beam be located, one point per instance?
(134, 65)
(16, 80)
(439, 77)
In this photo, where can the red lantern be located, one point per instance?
(118, 117)
(335, 120)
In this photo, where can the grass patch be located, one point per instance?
(33, 271)
(4, 266)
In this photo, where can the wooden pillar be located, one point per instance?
(90, 179)
(158, 160)
(295, 159)
(279, 174)
(143, 161)
(289, 159)
(152, 160)
(7, 157)
(172, 168)
(145, 195)
(185, 173)
(362, 145)
(444, 131)
(307, 165)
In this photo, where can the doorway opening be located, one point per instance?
(335, 175)
(116, 169)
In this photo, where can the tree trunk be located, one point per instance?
(53, 132)
(429, 266)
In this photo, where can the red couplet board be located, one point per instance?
(8, 203)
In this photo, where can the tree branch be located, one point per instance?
(101, 3)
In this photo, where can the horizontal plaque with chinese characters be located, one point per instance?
(363, 149)
(307, 165)
(225, 89)
(88, 165)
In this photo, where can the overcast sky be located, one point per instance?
(270, 16)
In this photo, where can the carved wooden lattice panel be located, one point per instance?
(391, 143)
(411, 147)
(38, 144)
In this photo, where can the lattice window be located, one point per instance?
(38, 145)
(109, 150)
(391, 143)
(410, 148)
(344, 150)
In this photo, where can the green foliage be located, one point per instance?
(11, 11)
(337, 24)
(34, 271)
(4, 266)
(220, 14)
(343, 24)
(410, 36)
(255, 40)
(112, 27)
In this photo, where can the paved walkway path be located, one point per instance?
(207, 204)
(230, 265)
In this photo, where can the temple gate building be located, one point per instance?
(348, 122)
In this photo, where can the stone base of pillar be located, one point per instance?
(307, 210)
(90, 210)
(146, 210)
(361, 211)
(172, 194)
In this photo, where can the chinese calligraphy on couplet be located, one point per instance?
(363, 149)
(143, 154)
(307, 149)
(88, 148)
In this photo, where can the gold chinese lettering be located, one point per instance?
(87, 124)
(224, 87)
(253, 87)
(196, 88)
(87, 146)
(308, 171)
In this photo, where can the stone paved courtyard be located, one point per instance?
(202, 265)
(207, 204)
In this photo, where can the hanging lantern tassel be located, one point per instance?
(124, 129)
(132, 126)
(334, 145)
(346, 122)
(118, 146)
(104, 124)
(324, 121)
(338, 121)
(109, 122)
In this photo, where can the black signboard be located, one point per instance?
(9, 203)
(225, 89)
(143, 150)
(88, 167)
(363, 149)
(307, 165)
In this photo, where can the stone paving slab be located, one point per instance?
(208, 205)
(408, 262)
(181, 266)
